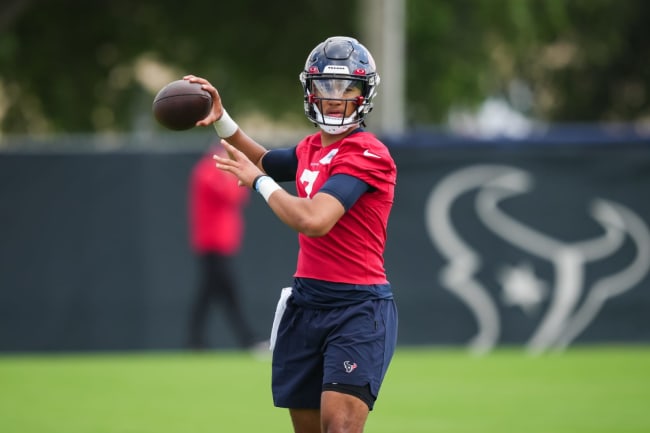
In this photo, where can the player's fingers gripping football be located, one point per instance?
(238, 164)
(217, 107)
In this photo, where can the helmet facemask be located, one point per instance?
(335, 117)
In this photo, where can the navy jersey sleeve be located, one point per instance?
(281, 164)
(345, 188)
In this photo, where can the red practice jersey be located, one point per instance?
(352, 252)
(216, 209)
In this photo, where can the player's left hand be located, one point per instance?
(238, 164)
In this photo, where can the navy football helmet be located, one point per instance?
(333, 68)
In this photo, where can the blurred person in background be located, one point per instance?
(216, 204)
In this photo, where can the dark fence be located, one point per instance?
(489, 244)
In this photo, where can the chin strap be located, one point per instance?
(332, 125)
(335, 130)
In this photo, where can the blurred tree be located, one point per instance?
(557, 60)
(79, 66)
(74, 65)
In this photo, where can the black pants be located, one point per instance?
(218, 285)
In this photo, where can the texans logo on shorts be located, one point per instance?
(349, 366)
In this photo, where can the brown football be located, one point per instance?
(180, 104)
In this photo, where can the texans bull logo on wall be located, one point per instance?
(551, 281)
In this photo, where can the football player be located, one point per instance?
(337, 328)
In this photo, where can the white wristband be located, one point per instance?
(266, 186)
(225, 126)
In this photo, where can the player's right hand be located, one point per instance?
(217, 107)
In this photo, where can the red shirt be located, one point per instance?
(216, 209)
(352, 252)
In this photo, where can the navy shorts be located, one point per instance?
(350, 345)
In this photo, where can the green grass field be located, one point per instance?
(427, 390)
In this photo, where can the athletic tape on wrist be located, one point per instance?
(266, 186)
(225, 126)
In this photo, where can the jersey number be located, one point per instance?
(308, 178)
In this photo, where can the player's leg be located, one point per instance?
(356, 359)
(342, 413)
(298, 368)
(305, 420)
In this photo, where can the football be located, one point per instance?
(180, 104)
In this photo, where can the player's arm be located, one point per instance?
(226, 127)
(312, 217)
(316, 217)
(249, 147)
